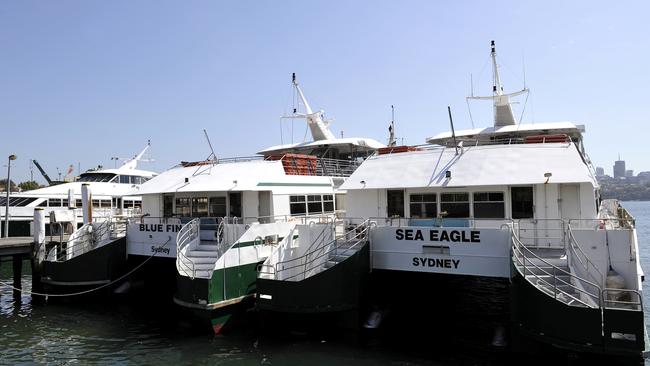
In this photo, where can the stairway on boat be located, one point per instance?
(560, 295)
(200, 244)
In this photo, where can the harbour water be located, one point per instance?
(133, 330)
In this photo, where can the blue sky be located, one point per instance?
(82, 81)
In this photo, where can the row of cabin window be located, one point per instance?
(63, 202)
(487, 205)
(205, 207)
(311, 204)
(131, 179)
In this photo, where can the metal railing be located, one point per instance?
(87, 238)
(622, 304)
(525, 262)
(583, 259)
(186, 235)
(310, 260)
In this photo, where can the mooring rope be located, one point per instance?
(5, 284)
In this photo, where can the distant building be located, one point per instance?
(644, 177)
(619, 169)
(629, 173)
(600, 171)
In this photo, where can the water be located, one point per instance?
(133, 331)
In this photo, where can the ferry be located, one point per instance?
(219, 219)
(515, 203)
(114, 192)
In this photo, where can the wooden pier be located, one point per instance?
(18, 248)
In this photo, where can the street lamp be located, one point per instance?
(8, 187)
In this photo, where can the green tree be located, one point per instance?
(3, 185)
(29, 185)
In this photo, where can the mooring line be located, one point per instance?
(5, 284)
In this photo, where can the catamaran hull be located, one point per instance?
(219, 300)
(538, 316)
(99, 267)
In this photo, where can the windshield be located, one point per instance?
(96, 177)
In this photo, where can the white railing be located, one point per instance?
(187, 235)
(306, 264)
(530, 265)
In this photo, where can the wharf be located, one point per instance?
(18, 245)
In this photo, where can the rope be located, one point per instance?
(5, 284)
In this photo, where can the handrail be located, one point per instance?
(281, 266)
(573, 245)
(519, 249)
(185, 236)
(638, 305)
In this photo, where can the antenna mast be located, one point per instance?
(453, 133)
(391, 128)
(317, 125)
(212, 155)
(503, 115)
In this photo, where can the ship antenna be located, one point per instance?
(317, 125)
(213, 155)
(453, 133)
(503, 115)
(391, 128)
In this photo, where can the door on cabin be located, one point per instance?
(395, 203)
(569, 201)
(264, 207)
(235, 204)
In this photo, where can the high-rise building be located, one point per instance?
(619, 168)
(629, 173)
(600, 172)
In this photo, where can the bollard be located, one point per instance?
(38, 253)
(86, 203)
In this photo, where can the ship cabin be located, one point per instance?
(282, 183)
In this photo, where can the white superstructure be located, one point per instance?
(113, 191)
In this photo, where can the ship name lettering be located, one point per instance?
(453, 236)
(435, 262)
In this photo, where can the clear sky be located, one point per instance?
(82, 81)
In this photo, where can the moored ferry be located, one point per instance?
(219, 219)
(114, 192)
(515, 203)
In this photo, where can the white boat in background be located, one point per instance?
(114, 192)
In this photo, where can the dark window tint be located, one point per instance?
(522, 202)
(489, 205)
(395, 203)
(454, 205)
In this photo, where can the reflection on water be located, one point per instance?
(133, 331)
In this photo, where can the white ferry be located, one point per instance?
(219, 219)
(114, 191)
(513, 201)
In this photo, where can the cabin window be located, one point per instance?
(423, 206)
(183, 207)
(168, 205)
(128, 203)
(64, 202)
(395, 203)
(297, 205)
(42, 204)
(328, 203)
(454, 205)
(54, 202)
(79, 203)
(217, 207)
(96, 203)
(235, 204)
(314, 204)
(522, 202)
(124, 179)
(489, 205)
(199, 206)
